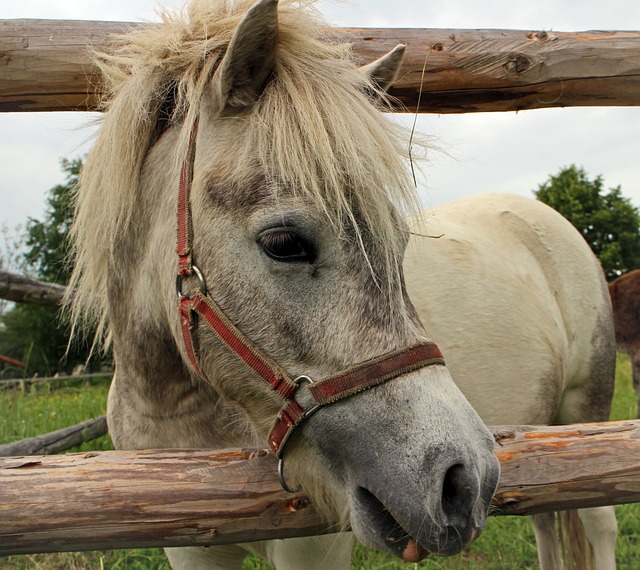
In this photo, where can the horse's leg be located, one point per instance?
(228, 557)
(602, 530)
(311, 553)
(544, 526)
(590, 401)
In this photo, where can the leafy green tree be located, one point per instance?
(11, 243)
(607, 220)
(47, 240)
(37, 335)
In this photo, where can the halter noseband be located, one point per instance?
(323, 392)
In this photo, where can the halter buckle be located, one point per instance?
(308, 412)
(313, 409)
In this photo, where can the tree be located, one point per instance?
(36, 335)
(607, 220)
(48, 244)
(10, 259)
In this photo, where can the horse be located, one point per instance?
(625, 299)
(530, 295)
(238, 241)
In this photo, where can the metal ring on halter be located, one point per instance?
(283, 483)
(201, 281)
(302, 378)
(299, 380)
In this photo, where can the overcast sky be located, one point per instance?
(505, 152)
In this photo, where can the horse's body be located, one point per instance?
(625, 298)
(293, 180)
(504, 279)
(534, 295)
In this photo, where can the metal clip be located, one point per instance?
(299, 380)
(201, 282)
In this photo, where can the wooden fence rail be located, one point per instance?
(57, 441)
(45, 66)
(55, 381)
(116, 499)
(14, 287)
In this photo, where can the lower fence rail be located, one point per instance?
(130, 499)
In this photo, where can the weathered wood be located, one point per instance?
(21, 289)
(193, 497)
(57, 441)
(567, 467)
(45, 66)
(152, 498)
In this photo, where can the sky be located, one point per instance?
(479, 152)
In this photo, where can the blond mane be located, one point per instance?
(314, 131)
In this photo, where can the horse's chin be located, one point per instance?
(377, 528)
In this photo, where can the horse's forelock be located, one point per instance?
(314, 131)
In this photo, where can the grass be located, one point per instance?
(40, 409)
(507, 544)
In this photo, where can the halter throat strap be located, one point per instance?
(323, 392)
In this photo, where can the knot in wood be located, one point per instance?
(258, 453)
(517, 64)
(538, 36)
(297, 504)
(437, 47)
(500, 436)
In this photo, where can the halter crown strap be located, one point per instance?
(185, 233)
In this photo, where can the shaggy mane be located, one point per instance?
(314, 131)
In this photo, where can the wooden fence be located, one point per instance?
(45, 66)
(118, 499)
(189, 497)
(21, 289)
(56, 441)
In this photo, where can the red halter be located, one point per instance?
(326, 391)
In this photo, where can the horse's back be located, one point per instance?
(519, 305)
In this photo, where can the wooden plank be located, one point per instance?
(45, 66)
(57, 441)
(21, 289)
(118, 499)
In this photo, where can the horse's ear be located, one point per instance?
(250, 58)
(383, 71)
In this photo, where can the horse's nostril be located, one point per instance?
(458, 493)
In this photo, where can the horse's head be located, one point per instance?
(293, 183)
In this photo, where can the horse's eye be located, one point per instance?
(286, 245)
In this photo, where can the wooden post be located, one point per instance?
(117, 499)
(45, 66)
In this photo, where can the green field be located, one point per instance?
(507, 543)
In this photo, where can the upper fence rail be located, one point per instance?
(45, 66)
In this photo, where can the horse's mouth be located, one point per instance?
(384, 525)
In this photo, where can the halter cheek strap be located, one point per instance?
(326, 391)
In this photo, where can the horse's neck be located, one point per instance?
(155, 402)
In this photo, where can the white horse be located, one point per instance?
(519, 305)
(245, 152)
